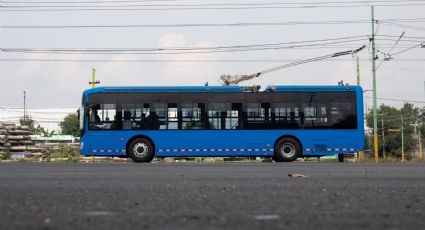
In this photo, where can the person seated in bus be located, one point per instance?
(97, 119)
(144, 123)
(293, 120)
(117, 125)
(127, 123)
(153, 120)
(302, 118)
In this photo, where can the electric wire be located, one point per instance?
(189, 61)
(179, 7)
(388, 56)
(404, 26)
(178, 50)
(405, 50)
(137, 1)
(182, 50)
(239, 24)
(398, 100)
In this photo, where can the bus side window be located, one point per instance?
(99, 116)
(191, 115)
(232, 120)
(215, 111)
(159, 116)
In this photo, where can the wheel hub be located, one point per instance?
(140, 149)
(288, 150)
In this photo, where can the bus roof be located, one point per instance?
(217, 89)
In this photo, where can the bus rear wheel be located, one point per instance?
(286, 150)
(141, 150)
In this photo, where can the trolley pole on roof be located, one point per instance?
(93, 81)
(375, 116)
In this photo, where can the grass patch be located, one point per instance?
(5, 155)
(68, 153)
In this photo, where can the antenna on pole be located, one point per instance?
(93, 81)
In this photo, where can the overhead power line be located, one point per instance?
(387, 56)
(138, 1)
(243, 24)
(120, 4)
(181, 50)
(189, 6)
(193, 50)
(399, 100)
(405, 50)
(211, 6)
(187, 61)
(86, 2)
(240, 24)
(392, 24)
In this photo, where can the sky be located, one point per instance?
(283, 32)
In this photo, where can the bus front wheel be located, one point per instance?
(141, 150)
(287, 150)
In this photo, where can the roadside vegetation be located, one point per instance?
(395, 133)
(64, 153)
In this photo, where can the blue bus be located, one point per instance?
(281, 122)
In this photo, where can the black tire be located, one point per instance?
(286, 150)
(141, 150)
(340, 157)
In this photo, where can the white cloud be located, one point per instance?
(187, 68)
(171, 40)
(120, 73)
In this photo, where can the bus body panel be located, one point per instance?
(223, 142)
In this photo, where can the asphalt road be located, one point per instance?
(211, 196)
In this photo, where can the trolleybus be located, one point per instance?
(281, 122)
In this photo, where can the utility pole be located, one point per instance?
(402, 138)
(25, 107)
(359, 153)
(421, 154)
(93, 81)
(358, 69)
(383, 138)
(375, 118)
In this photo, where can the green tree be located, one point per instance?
(27, 121)
(392, 128)
(34, 127)
(421, 121)
(70, 125)
(42, 131)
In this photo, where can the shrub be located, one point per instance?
(5, 155)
